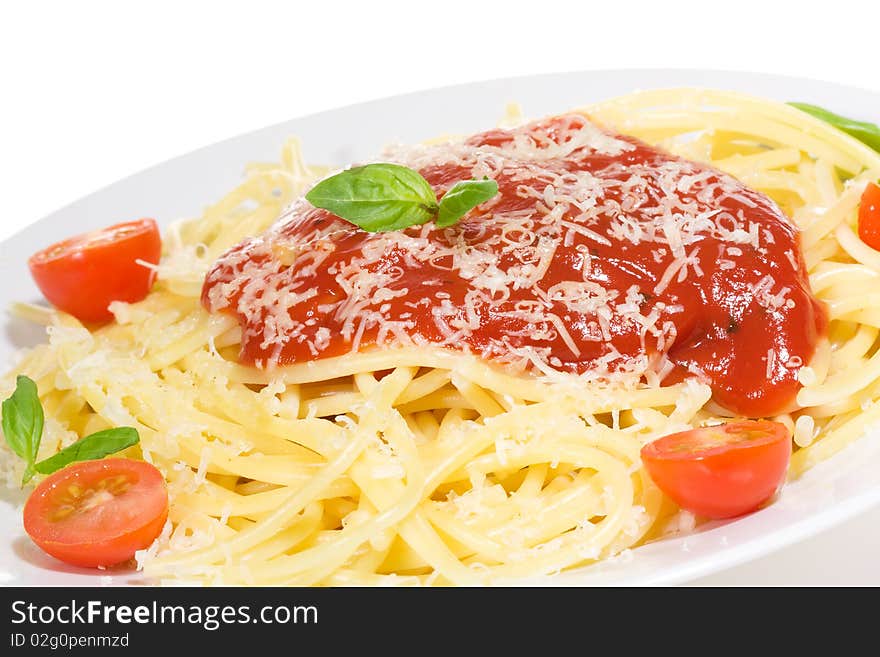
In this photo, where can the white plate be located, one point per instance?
(835, 491)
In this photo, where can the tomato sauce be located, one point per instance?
(600, 255)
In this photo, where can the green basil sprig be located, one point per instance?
(867, 133)
(23, 428)
(462, 197)
(94, 446)
(23, 423)
(384, 197)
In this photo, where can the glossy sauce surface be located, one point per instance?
(600, 256)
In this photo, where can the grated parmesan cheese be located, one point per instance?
(524, 279)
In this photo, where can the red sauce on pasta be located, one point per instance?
(600, 255)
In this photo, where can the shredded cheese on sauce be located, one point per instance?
(555, 199)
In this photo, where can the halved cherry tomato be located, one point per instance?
(97, 513)
(869, 216)
(721, 471)
(83, 274)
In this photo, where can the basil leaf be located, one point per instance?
(23, 422)
(95, 446)
(867, 133)
(377, 197)
(463, 197)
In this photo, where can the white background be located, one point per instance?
(94, 91)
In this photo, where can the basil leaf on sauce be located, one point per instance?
(94, 446)
(23, 423)
(383, 197)
(377, 197)
(867, 133)
(463, 197)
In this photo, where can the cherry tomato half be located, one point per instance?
(869, 216)
(83, 274)
(97, 513)
(721, 471)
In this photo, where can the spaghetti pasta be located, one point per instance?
(423, 465)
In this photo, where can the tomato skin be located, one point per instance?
(83, 274)
(109, 531)
(869, 216)
(723, 471)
